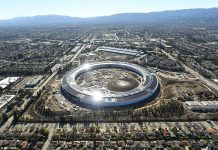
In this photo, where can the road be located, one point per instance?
(8, 123)
(51, 131)
(55, 72)
(44, 83)
(193, 72)
(77, 53)
(50, 135)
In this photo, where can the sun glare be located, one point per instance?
(97, 95)
(87, 66)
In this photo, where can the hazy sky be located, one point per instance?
(90, 8)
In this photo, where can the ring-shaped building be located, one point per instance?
(143, 94)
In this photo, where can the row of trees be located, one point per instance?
(163, 110)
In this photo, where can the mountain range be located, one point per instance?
(186, 16)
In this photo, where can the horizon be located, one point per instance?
(94, 8)
(104, 15)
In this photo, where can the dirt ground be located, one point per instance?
(186, 90)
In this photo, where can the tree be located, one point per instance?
(97, 129)
(44, 131)
(62, 119)
(1, 90)
(92, 130)
(115, 128)
(15, 116)
(4, 117)
(74, 129)
(175, 130)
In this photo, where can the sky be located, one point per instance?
(91, 8)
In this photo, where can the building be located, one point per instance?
(120, 51)
(5, 99)
(203, 106)
(145, 93)
(7, 81)
(34, 81)
(75, 49)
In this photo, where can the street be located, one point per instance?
(193, 72)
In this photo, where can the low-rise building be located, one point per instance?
(7, 81)
(5, 99)
(203, 106)
(34, 81)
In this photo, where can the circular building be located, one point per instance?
(109, 85)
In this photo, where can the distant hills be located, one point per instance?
(186, 16)
(40, 20)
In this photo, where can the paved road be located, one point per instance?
(55, 72)
(44, 83)
(8, 123)
(77, 53)
(193, 72)
(51, 133)
(10, 120)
